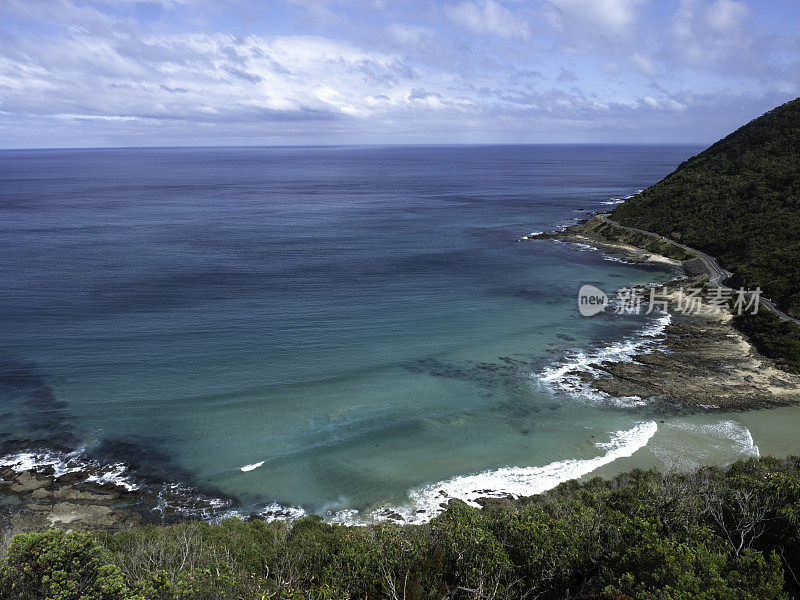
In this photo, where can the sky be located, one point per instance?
(272, 72)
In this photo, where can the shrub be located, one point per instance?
(54, 565)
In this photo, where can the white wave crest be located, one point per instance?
(251, 467)
(187, 501)
(114, 474)
(426, 502)
(278, 512)
(69, 462)
(619, 200)
(722, 433)
(565, 376)
(617, 259)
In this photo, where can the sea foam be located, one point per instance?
(427, 501)
(565, 376)
(251, 467)
(722, 433)
(619, 200)
(69, 462)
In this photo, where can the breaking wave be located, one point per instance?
(164, 498)
(619, 200)
(251, 467)
(570, 374)
(70, 462)
(426, 502)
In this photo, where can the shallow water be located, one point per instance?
(327, 328)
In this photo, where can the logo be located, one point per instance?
(591, 300)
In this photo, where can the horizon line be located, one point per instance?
(354, 145)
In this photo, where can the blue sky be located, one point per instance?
(206, 72)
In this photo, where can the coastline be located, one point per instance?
(684, 364)
(42, 487)
(700, 361)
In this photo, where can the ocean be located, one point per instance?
(348, 331)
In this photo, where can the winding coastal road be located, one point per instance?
(717, 275)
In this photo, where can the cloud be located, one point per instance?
(610, 15)
(410, 35)
(488, 18)
(566, 76)
(420, 94)
(728, 16)
(715, 35)
(645, 65)
(667, 104)
(93, 72)
(62, 13)
(194, 77)
(588, 25)
(321, 12)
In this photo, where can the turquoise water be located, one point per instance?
(353, 326)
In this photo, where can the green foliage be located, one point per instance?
(200, 584)
(773, 337)
(198, 560)
(468, 551)
(738, 201)
(617, 235)
(59, 566)
(650, 565)
(714, 534)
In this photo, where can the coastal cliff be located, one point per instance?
(738, 201)
(730, 214)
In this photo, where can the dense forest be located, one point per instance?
(710, 534)
(738, 201)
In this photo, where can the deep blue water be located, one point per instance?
(360, 319)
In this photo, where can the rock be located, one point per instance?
(20, 522)
(700, 363)
(74, 494)
(82, 515)
(41, 493)
(72, 477)
(27, 482)
(391, 514)
(46, 471)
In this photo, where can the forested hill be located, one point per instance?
(739, 201)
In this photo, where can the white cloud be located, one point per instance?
(651, 102)
(728, 16)
(488, 17)
(713, 35)
(588, 25)
(667, 104)
(194, 77)
(610, 15)
(409, 35)
(645, 65)
(92, 66)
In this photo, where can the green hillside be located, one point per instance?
(738, 201)
(715, 534)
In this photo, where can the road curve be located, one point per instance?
(717, 275)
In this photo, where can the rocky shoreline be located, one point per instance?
(48, 488)
(700, 362)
